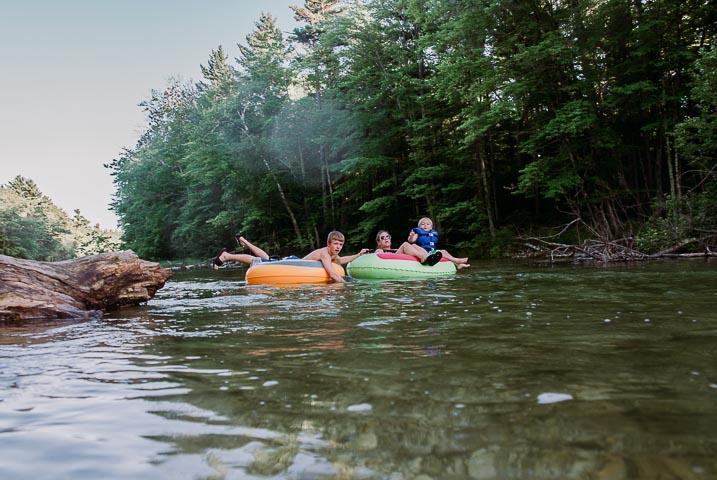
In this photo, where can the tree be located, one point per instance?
(696, 136)
(34, 227)
(488, 116)
(92, 240)
(299, 131)
(150, 190)
(220, 75)
(265, 84)
(317, 66)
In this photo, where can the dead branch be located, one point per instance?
(603, 250)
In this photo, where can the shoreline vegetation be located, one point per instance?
(498, 121)
(32, 227)
(594, 248)
(603, 250)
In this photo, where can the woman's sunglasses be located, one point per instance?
(385, 237)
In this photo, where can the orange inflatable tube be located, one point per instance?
(286, 272)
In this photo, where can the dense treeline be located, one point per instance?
(494, 117)
(33, 227)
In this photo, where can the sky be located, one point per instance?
(73, 72)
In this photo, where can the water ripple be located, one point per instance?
(504, 368)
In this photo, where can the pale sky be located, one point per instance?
(72, 73)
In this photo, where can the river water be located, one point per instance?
(504, 371)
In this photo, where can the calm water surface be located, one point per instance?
(505, 371)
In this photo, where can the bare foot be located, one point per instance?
(460, 266)
(243, 242)
(221, 258)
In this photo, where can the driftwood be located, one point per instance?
(619, 250)
(80, 288)
(589, 250)
(600, 251)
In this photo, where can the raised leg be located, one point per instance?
(256, 251)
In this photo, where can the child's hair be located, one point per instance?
(425, 218)
(378, 235)
(335, 235)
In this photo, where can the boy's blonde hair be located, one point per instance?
(425, 218)
(335, 235)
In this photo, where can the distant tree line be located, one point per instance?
(33, 227)
(497, 118)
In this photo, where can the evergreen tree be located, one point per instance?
(265, 80)
(41, 228)
(150, 191)
(33, 227)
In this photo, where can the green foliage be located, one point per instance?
(691, 216)
(91, 240)
(541, 176)
(696, 136)
(476, 113)
(33, 227)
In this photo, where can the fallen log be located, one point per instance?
(79, 288)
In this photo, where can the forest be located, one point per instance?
(33, 227)
(502, 120)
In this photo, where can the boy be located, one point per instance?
(426, 237)
(330, 253)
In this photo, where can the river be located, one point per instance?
(504, 371)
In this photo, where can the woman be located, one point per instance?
(383, 245)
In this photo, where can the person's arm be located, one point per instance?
(326, 261)
(351, 258)
(412, 237)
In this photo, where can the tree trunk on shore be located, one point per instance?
(79, 288)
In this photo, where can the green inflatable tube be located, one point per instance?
(396, 266)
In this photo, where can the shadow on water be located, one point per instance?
(503, 371)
